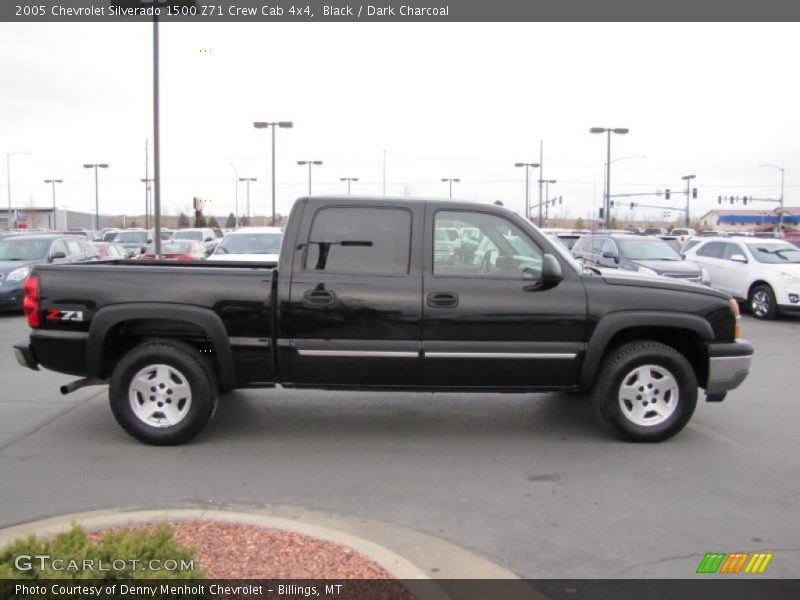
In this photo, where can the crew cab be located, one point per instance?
(359, 301)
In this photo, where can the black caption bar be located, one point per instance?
(242, 11)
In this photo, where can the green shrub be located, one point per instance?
(122, 554)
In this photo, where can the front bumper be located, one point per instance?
(728, 366)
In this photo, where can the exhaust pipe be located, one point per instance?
(79, 383)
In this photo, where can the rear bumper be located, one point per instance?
(728, 366)
(25, 356)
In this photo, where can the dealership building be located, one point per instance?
(750, 220)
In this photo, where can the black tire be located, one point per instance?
(656, 412)
(762, 302)
(166, 364)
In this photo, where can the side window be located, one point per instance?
(358, 240)
(74, 246)
(500, 249)
(597, 244)
(731, 249)
(608, 246)
(712, 250)
(579, 245)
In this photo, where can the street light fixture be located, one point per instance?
(96, 166)
(248, 180)
(450, 180)
(54, 182)
(349, 180)
(8, 181)
(528, 167)
(310, 163)
(274, 125)
(607, 200)
(688, 179)
(780, 217)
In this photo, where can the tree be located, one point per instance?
(579, 224)
(612, 223)
(244, 221)
(183, 220)
(230, 223)
(212, 222)
(200, 221)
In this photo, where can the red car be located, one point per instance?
(176, 250)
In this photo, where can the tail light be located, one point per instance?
(737, 331)
(30, 304)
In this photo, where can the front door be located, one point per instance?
(354, 313)
(488, 320)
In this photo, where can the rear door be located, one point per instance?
(355, 300)
(489, 321)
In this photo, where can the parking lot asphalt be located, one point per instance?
(530, 482)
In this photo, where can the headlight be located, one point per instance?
(647, 271)
(705, 278)
(18, 274)
(791, 278)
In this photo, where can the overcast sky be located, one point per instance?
(442, 100)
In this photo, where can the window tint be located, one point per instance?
(730, 250)
(74, 246)
(500, 250)
(580, 244)
(712, 250)
(608, 246)
(360, 240)
(58, 246)
(597, 243)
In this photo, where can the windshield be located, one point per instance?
(250, 243)
(188, 235)
(646, 249)
(19, 249)
(128, 237)
(774, 253)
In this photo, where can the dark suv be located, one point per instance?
(645, 254)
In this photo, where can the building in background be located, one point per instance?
(721, 219)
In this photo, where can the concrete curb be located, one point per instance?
(403, 552)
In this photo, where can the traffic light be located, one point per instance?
(601, 212)
(632, 205)
(666, 194)
(611, 203)
(694, 192)
(719, 199)
(744, 200)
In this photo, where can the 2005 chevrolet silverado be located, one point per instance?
(363, 298)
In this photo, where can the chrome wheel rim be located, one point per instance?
(760, 304)
(160, 396)
(648, 395)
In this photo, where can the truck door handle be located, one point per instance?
(319, 298)
(442, 300)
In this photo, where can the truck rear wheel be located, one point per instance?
(645, 392)
(163, 393)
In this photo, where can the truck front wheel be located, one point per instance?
(163, 393)
(645, 392)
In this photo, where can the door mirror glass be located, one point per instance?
(58, 254)
(740, 258)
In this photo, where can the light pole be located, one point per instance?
(546, 183)
(688, 180)
(8, 181)
(273, 124)
(235, 196)
(780, 217)
(310, 163)
(528, 167)
(96, 192)
(450, 180)
(248, 180)
(54, 182)
(349, 180)
(147, 181)
(609, 131)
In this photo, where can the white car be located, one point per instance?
(763, 272)
(262, 244)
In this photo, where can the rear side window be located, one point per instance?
(597, 243)
(712, 250)
(357, 240)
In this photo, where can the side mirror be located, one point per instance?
(209, 239)
(740, 258)
(611, 255)
(58, 254)
(551, 270)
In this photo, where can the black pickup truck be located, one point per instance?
(368, 295)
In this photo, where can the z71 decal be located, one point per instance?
(56, 314)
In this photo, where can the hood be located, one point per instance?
(270, 258)
(670, 268)
(6, 266)
(622, 277)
